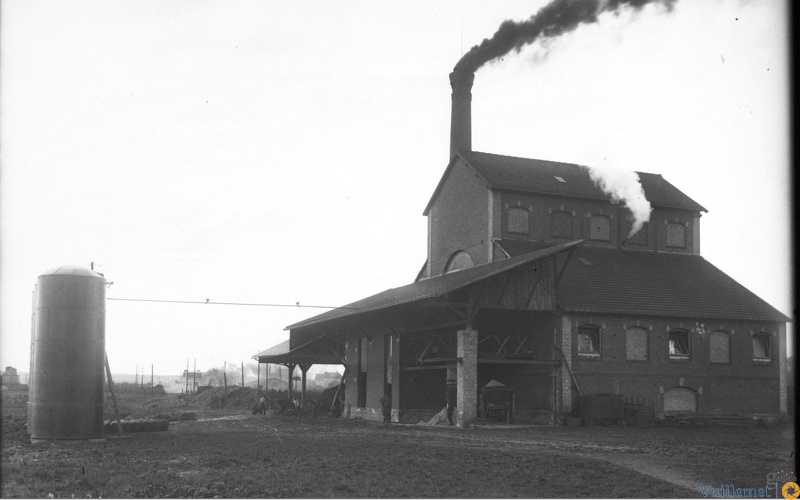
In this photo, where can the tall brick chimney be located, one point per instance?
(461, 112)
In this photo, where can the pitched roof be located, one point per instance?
(650, 283)
(539, 176)
(432, 287)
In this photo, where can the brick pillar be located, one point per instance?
(467, 378)
(566, 378)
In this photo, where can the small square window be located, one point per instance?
(560, 179)
(679, 344)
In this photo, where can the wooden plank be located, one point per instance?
(114, 394)
(424, 367)
(518, 362)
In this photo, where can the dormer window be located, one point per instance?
(519, 220)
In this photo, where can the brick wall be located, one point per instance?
(743, 385)
(458, 219)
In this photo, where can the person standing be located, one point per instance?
(450, 399)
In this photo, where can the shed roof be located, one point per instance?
(650, 283)
(512, 173)
(433, 287)
(307, 353)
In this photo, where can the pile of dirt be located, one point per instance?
(237, 398)
(326, 399)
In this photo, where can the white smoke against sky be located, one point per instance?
(623, 186)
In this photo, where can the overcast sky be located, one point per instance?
(283, 152)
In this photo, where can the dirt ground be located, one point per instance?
(228, 452)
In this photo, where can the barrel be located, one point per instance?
(66, 393)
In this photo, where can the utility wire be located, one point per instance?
(296, 304)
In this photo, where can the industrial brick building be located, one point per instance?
(532, 280)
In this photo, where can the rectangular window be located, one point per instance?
(676, 235)
(720, 343)
(636, 344)
(600, 228)
(679, 344)
(762, 347)
(589, 341)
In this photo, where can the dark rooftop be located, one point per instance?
(651, 283)
(541, 176)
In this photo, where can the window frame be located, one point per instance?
(679, 356)
(590, 329)
(768, 356)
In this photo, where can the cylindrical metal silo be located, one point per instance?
(67, 370)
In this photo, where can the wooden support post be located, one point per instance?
(304, 368)
(225, 382)
(113, 394)
(242, 375)
(338, 390)
(187, 375)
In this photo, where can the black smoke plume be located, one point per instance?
(552, 20)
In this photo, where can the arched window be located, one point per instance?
(561, 224)
(676, 235)
(599, 228)
(589, 341)
(720, 346)
(458, 261)
(519, 220)
(636, 343)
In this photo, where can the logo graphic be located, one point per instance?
(790, 491)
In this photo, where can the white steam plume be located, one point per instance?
(624, 186)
